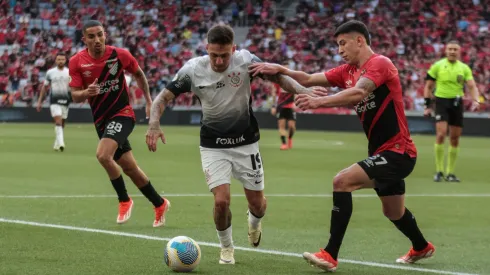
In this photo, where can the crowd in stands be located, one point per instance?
(163, 35)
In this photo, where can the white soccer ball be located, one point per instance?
(182, 254)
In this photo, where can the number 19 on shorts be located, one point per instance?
(256, 161)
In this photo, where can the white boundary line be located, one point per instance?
(264, 251)
(88, 196)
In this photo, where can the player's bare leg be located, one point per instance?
(441, 131)
(344, 183)
(257, 204)
(105, 155)
(291, 130)
(454, 135)
(59, 144)
(222, 220)
(394, 209)
(281, 124)
(139, 178)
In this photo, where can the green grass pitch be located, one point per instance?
(58, 210)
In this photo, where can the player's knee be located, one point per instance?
(393, 214)
(221, 204)
(104, 159)
(440, 138)
(454, 141)
(257, 205)
(340, 183)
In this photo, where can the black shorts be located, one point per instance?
(450, 110)
(389, 170)
(286, 113)
(118, 128)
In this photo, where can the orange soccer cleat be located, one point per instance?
(160, 213)
(125, 208)
(322, 260)
(413, 256)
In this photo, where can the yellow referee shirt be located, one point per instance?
(449, 77)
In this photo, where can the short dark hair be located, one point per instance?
(221, 34)
(354, 26)
(90, 24)
(61, 54)
(455, 42)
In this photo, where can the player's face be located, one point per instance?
(60, 61)
(220, 56)
(94, 38)
(453, 51)
(349, 47)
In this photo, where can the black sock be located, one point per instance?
(152, 195)
(122, 193)
(283, 139)
(291, 133)
(408, 226)
(341, 212)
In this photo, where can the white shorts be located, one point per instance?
(59, 110)
(244, 163)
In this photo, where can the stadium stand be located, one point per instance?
(411, 33)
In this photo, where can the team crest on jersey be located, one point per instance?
(348, 83)
(235, 79)
(113, 68)
(87, 73)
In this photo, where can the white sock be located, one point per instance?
(225, 237)
(59, 135)
(253, 221)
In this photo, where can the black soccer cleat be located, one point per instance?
(452, 178)
(438, 177)
(62, 148)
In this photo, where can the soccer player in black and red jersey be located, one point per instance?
(283, 108)
(372, 86)
(97, 75)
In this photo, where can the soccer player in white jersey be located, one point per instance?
(229, 131)
(58, 79)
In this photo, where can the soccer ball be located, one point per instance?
(182, 254)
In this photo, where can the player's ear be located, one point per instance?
(233, 49)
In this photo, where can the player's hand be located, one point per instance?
(93, 89)
(264, 68)
(475, 106)
(273, 111)
(148, 109)
(428, 112)
(320, 91)
(306, 102)
(153, 134)
(38, 108)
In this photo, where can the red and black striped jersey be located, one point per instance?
(113, 99)
(381, 113)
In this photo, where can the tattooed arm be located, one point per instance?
(288, 84)
(351, 96)
(158, 106)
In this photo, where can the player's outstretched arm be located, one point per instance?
(304, 79)
(158, 106)
(142, 82)
(288, 84)
(351, 96)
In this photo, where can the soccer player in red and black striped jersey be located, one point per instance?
(283, 108)
(97, 75)
(372, 86)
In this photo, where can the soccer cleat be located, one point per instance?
(254, 235)
(227, 255)
(413, 256)
(452, 178)
(160, 213)
(62, 148)
(125, 208)
(322, 260)
(284, 147)
(290, 143)
(438, 177)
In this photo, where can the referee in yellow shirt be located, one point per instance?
(448, 76)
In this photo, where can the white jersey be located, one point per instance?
(59, 81)
(227, 116)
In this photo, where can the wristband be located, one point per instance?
(428, 101)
